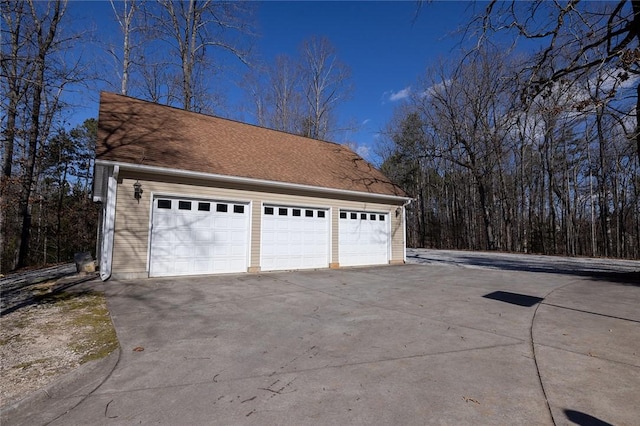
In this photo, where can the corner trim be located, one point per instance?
(109, 225)
(404, 229)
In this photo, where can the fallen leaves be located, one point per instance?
(468, 399)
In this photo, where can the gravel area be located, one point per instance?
(48, 329)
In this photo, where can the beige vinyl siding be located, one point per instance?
(131, 230)
(256, 228)
(335, 252)
(130, 256)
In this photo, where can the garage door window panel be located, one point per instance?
(164, 204)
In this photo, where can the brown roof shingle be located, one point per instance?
(143, 133)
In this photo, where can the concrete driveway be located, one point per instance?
(433, 343)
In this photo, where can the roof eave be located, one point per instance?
(252, 181)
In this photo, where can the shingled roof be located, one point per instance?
(144, 133)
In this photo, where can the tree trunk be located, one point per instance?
(27, 183)
(61, 187)
(44, 45)
(602, 183)
(486, 214)
(635, 5)
(14, 78)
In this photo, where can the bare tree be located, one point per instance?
(554, 174)
(577, 38)
(284, 95)
(15, 84)
(35, 50)
(405, 165)
(468, 112)
(300, 95)
(193, 29)
(325, 82)
(255, 89)
(276, 92)
(540, 154)
(125, 19)
(45, 27)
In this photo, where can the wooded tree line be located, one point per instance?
(45, 212)
(531, 154)
(501, 152)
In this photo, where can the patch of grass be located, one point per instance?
(51, 335)
(21, 323)
(14, 338)
(99, 338)
(73, 298)
(94, 335)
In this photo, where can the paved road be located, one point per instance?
(433, 343)
(581, 266)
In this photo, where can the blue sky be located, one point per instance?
(385, 44)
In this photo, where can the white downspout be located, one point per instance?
(404, 227)
(106, 254)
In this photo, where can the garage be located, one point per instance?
(183, 193)
(194, 236)
(294, 238)
(364, 238)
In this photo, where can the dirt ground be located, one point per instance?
(46, 333)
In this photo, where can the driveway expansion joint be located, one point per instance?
(589, 355)
(590, 312)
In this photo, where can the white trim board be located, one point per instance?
(243, 180)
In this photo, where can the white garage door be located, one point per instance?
(364, 238)
(294, 238)
(191, 237)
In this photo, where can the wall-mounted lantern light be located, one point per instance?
(398, 211)
(137, 191)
